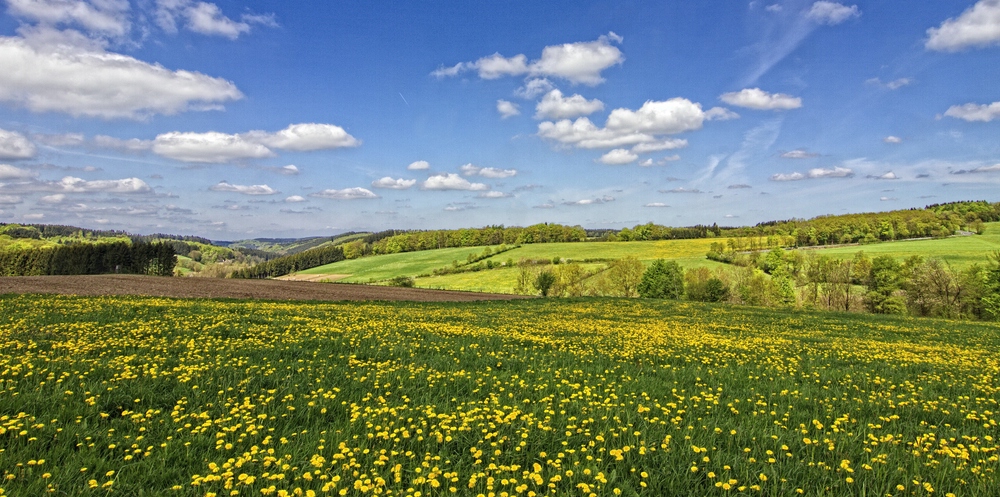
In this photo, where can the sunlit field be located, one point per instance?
(147, 396)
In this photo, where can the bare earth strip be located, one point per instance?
(226, 288)
(321, 278)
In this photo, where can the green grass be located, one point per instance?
(387, 266)
(959, 251)
(152, 396)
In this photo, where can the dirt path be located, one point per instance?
(226, 288)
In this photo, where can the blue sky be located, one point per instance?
(247, 119)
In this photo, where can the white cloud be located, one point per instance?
(486, 172)
(892, 85)
(656, 204)
(662, 162)
(681, 190)
(981, 169)
(244, 189)
(130, 145)
(419, 165)
(10, 199)
(59, 140)
(658, 146)
(206, 18)
(554, 106)
(451, 181)
(507, 109)
(798, 154)
(92, 82)
(580, 62)
(295, 199)
(887, 199)
(836, 172)
(55, 198)
(755, 98)
(105, 17)
(289, 170)
(34, 217)
(534, 87)
(394, 184)
(355, 193)
(8, 172)
(626, 127)
(892, 140)
(720, 114)
(14, 145)
(774, 7)
(210, 147)
(494, 194)
(788, 177)
(469, 169)
(975, 112)
(618, 156)
(78, 185)
(978, 26)
(305, 137)
(832, 13)
(888, 175)
(592, 201)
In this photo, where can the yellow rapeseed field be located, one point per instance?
(148, 396)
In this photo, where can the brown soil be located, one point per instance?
(226, 288)
(321, 278)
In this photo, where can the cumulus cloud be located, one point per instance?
(305, 137)
(591, 201)
(892, 140)
(534, 87)
(720, 114)
(210, 147)
(419, 165)
(662, 162)
(356, 193)
(507, 109)
(798, 154)
(206, 18)
(554, 106)
(486, 172)
(831, 13)
(9, 172)
(10, 199)
(788, 176)
(295, 199)
(978, 26)
(618, 156)
(244, 189)
(393, 184)
(626, 127)
(451, 181)
(289, 170)
(107, 17)
(836, 172)
(580, 62)
(14, 145)
(757, 99)
(975, 112)
(55, 198)
(89, 81)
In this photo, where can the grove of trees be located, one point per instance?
(90, 258)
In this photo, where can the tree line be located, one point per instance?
(395, 241)
(90, 258)
(288, 264)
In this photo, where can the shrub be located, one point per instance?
(663, 280)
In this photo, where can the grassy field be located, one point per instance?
(959, 251)
(383, 267)
(149, 396)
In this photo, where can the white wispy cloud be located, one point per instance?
(798, 154)
(494, 194)
(356, 193)
(14, 145)
(507, 109)
(656, 204)
(393, 184)
(108, 17)
(720, 114)
(206, 18)
(591, 201)
(892, 140)
(978, 26)
(580, 62)
(9, 172)
(815, 173)
(757, 99)
(223, 186)
(534, 87)
(89, 81)
(486, 172)
(295, 199)
(975, 112)
(305, 137)
(451, 181)
(10, 199)
(555, 106)
(419, 165)
(892, 85)
(122, 145)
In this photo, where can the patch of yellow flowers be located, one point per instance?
(601, 397)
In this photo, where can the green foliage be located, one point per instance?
(662, 280)
(90, 258)
(544, 281)
(291, 263)
(402, 281)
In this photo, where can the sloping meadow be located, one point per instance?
(150, 396)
